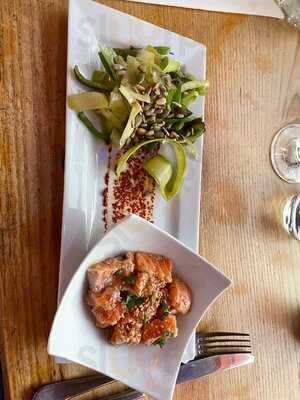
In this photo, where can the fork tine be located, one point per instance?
(215, 334)
(214, 343)
(207, 341)
(227, 346)
(218, 353)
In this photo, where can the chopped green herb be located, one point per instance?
(162, 340)
(132, 300)
(165, 310)
(120, 272)
(129, 279)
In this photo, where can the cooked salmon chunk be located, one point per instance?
(155, 265)
(111, 317)
(140, 283)
(100, 274)
(159, 329)
(128, 330)
(107, 299)
(180, 297)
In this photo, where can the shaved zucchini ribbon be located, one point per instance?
(168, 177)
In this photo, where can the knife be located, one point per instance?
(190, 371)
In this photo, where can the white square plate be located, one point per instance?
(91, 24)
(148, 369)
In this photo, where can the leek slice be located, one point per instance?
(87, 101)
(129, 128)
(168, 178)
(132, 96)
(169, 65)
(200, 86)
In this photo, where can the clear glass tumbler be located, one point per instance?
(291, 9)
(285, 152)
(290, 213)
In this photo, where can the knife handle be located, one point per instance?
(127, 395)
(71, 387)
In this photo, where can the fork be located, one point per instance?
(208, 346)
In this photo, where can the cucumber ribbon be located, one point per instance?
(168, 177)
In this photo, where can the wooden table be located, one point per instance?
(254, 70)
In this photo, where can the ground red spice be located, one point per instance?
(133, 192)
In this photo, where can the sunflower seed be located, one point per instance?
(151, 119)
(168, 81)
(150, 133)
(163, 89)
(165, 131)
(150, 112)
(161, 101)
(171, 115)
(164, 114)
(118, 67)
(178, 105)
(156, 86)
(141, 78)
(180, 115)
(142, 68)
(140, 88)
(141, 131)
(138, 120)
(156, 128)
(122, 72)
(120, 60)
(147, 107)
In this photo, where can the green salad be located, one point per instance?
(142, 97)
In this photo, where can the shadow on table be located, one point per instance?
(1, 386)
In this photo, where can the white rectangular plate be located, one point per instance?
(91, 24)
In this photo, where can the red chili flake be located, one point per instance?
(133, 192)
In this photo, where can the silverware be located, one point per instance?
(216, 352)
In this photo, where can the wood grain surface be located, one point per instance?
(254, 70)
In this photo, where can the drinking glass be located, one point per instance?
(291, 10)
(290, 214)
(285, 153)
